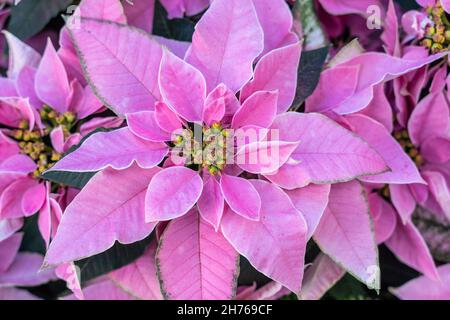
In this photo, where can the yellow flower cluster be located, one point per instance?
(437, 37)
(36, 143)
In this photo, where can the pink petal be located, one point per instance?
(103, 290)
(19, 164)
(92, 222)
(439, 189)
(222, 93)
(374, 68)
(7, 88)
(182, 86)
(111, 10)
(45, 220)
(10, 202)
(402, 168)
(211, 203)
(276, 244)
(265, 157)
(33, 199)
(327, 152)
(24, 272)
(140, 14)
(290, 176)
(172, 193)
(25, 82)
(345, 81)
(311, 201)
(342, 7)
(16, 294)
(52, 84)
(380, 109)
(95, 123)
(8, 147)
(117, 149)
(320, 277)
(446, 5)
(69, 273)
(166, 119)
(215, 107)
(8, 251)
(226, 41)
(139, 278)
(143, 124)
(423, 288)
(430, 118)
(271, 291)
(258, 110)
(384, 217)
(345, 233)
(390, 34)
(277, 70)
(436, 149)
(276, 21)
(8, 227)
(178, 48)
(195, 262)
(241, 196)
(132, 58)
(87, 105)
(403, 201)
(57, 139)
(410, 248)
(20, 55)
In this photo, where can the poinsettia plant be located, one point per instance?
(226, 149)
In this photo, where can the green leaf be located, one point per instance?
(311, 65)
(348, 288)
(178, 29)
(314, 37)
(435, 231)
(118, 256)
(73, 179)
(30, 17)
(32, 240)
(408, 4)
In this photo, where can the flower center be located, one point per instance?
(37, 143)
(403, 139)
(437, 37)
(203, 146)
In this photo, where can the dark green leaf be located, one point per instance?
(311, 64)
(178, 29)
(435, 231)
(248, 274)
(118, 256)
(408, 4)
(32, 240)
(313, 36)
(348, 288)
(73, 179)
(30, 17)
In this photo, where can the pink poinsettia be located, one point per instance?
(414, 144)
(19, 269)
(41, 108)
(217, 206)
